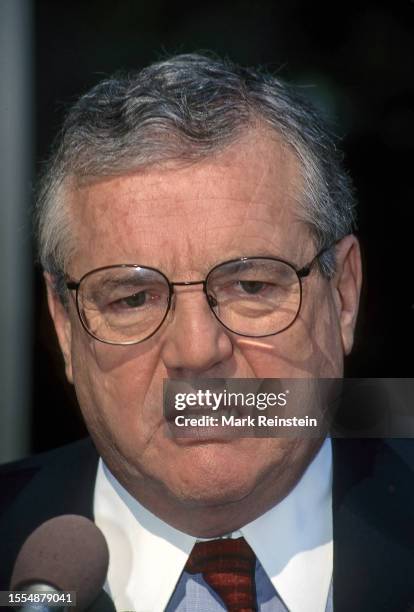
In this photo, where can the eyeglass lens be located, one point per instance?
(127, 304)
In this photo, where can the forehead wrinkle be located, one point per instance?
(199, 195)
(246, 215)
(224, 202)
(258, 209)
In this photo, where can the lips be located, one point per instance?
(201, 425)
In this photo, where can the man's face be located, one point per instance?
(183, 220)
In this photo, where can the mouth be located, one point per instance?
(201, 426)
(210, 410)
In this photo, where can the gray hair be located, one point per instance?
(186, 108)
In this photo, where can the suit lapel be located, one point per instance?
(373, 522)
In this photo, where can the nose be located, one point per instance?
(195, 342)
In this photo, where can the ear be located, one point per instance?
(62, 322)
(347, 287)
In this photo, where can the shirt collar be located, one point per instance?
(293, 542)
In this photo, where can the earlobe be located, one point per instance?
(347, 285)
(61, 320)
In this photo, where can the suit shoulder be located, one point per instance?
(37, 461)
(14, 476)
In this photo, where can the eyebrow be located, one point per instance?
(239, 266)
(121, 282)
(112, 284)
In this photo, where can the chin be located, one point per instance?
(213, 492)
(212, 474)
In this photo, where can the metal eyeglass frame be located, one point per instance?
(211, 300)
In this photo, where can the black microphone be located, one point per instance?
(66, 553)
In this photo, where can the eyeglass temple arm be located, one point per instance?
(305, 271)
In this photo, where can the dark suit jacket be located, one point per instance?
(373, 511)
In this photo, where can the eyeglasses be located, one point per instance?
(250, 296)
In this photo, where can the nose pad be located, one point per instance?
(173, 303)
(212, 302)
(195, 342)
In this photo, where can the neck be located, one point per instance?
(208, 520)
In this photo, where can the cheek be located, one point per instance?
(311, 347)
(116, 390)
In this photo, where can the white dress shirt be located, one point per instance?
(292, 541)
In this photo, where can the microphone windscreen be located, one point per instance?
(69, 553)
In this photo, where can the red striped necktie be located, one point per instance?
(228, 567)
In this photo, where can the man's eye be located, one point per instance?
(135, 300)
(252, 287)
